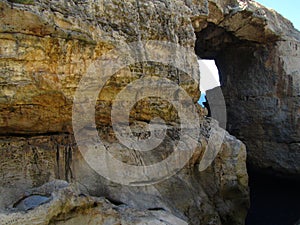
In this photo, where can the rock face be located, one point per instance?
(217, 195)
(69, 206)
(257, 53)
(44, 58)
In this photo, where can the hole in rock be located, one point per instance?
(209, 78)
(274, 200)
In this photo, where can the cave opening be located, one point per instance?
(209, 79)
(273, 199)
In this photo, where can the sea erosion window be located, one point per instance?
(209, 78)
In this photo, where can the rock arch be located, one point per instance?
(44, 57)
(257, 53)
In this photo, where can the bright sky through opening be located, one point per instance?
(209, 77)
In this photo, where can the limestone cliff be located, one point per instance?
(217, 194)
(46, 47)
(43, 60)
(257, 54)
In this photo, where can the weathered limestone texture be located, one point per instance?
(67, 205)
(47, 46)
(217, 195)
(258, 56)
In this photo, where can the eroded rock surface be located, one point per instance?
(69, 206)
(217, 195)
(257, 53)
(256, 49)
(44, 57)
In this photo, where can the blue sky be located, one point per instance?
(290, 9)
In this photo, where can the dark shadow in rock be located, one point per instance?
(31, 202)
(274, 201)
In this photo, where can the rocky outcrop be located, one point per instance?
(67, 205)
(257, 53)
(217, 195)
(43, 62)
(45, 57)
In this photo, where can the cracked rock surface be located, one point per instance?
(47, 46)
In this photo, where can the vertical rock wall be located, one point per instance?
(257, 53)
(47, 47)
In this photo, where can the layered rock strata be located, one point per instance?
(48, 46)
(257, 54)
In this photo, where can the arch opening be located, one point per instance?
(258, 106)
(209, 78)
